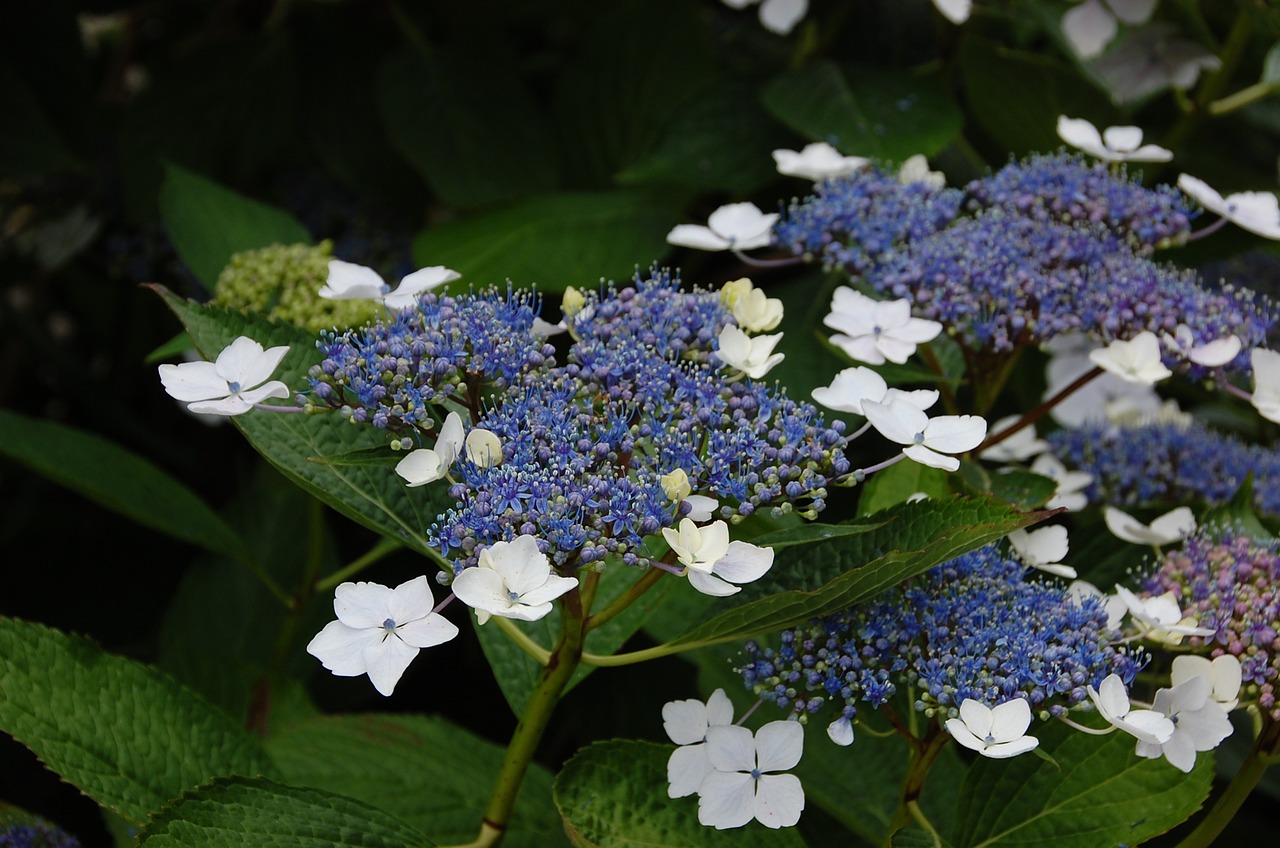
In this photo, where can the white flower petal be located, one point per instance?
(193, 381)
(743, 562)
(726, 799)
(955, 433)
(709, 584)
(349, 281)
(731, 748)
(687, 767)
(933, 459)
(840, 732)
(427, 632)
(362, 605)
(956, 11)
(1010, 720)
(340, 648)
(697, 237)
(420, 467)
(386, 661)
(779, 745)
(1089, 27)
(779, 800)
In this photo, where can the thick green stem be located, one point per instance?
(626, 599)
(1228, 804)
(923, 753)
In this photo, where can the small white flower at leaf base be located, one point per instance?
(1069, 494)
(686, 723)
(1211, 354)
(1223, 673)
(511, 580)
(1114, 144)
(757, 313)
(1173, 526)
(854, 386)
(1199, 723)
(426, 465)
(956, 11)
(1021, 446)
(231, 384)
(1160, 618)
(1090, 26)
(1266, 383)
(777, 16)
(1112, 700)
(916, 170)
(1136, 360)
(1043, 549)
(817, 161)
(349, 281)
(998, 732)
(753, 357)
(745, 783)
(1256, 211)
(483, 447)
(926, 439)
(874, 331)
(1114, 605)
(713, 563)
(737, 226)
(379, 631)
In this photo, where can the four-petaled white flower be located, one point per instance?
(751, 356)
(737, 226)
(1199, 723)
(744, 783)
(1160, 619)
(1070, 492)
(1256, 211)
(1043, 549)
(511, 580)
(1022, 445)
(1223, 673)
(998, 732)
(926, 439)
(1151, 58)
(1112, 700)
(777, 16)
(1090, 26)
(231, 384)
(713, 563)
(426, 465)
(1173, 526)
(379, 631)
(916, 170)
(349, 281)
(687, 723)
(1135, 361)
(1210, 354)
(817, 161)
(874, 331)
(1266, 383)
(853, 387)
(1114, 144)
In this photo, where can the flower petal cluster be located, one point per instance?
(1114, 144)
(1112, 701)
(852, 387)
(927, 439)
(736, 226)
(1199, 723)
(230, 385)
(1136, 360)
(426, 465)
(1256, 211)
(712, 563)
(1091, 25)
(752, 356)
(686, 723)
(512, 580)
(380, 630)
(997, 732)
(1159, 617)
(1043, 549)
(817, 161)
(1151, 58)
(1223, 672)
(746, 781)
(1173, 526)
(349, 281)
(876, 331)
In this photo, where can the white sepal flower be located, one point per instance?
(1136, 360)
(737, 226)
(745, 783)
(231, 384)
(854, 386)
(1256, 211)
(511, 580)
(1043, 549)
(840, 732)
(1114, 144)
(1069, 494)
(817, 161)
(998, 732)
(926, 439)
(757, 313)
(956, 11)
(916, 170)
(1160, 619)
(1092, 25)
(751, 356)
(1223, 673)
(483, 447)
(349, 281)
(1022, 445)
(426, 465)
(713, 563)
(874, 331)
(1199, 723)
(1266, 383)
(1210, 354)
(1173, 526)
(686, 723)
(380, 630)
(1112, 700)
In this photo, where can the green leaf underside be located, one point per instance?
(427, 772)
(613, 795)
(827, 577)
(1099, 793)
(370, 494)
(123, 733)
(117, 479)
(261, 814)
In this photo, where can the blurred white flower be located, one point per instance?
(1211, 354)
(956, 11)
(1149, 59)
(926, 439)
(1266, 383)
(876, 331)
(1173, 526)
(1043, 549)
(817, 161)
(1092, 25)
(916, 170)
(744, 783)
(777, 16)
(1021, 446)
(998, 732)
(1136, 360)
(1114, 144)
(1068, 361)
(1112, 700)
(1256, 211)
(1071, 484)
(686, 723)
(1199, 723)
(231, 384)
(426, 465)
(511, 580)
(737, 226)
(1223, 673)
(751, 356)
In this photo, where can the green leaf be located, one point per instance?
(1102, 793)
(866, 111)
(257, 813)
(912, 836)
(126, 735)
(1239, 514)
(175, 347)
(827, 577)
(554, 240)
(207, 223)
(427, 772)
(379, 457)
(613, 795)
(370, 495)
(808, 533)
(1023, 489)
(896, 483)
(117, 479)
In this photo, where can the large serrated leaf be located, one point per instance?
(123, 733)
(117, 479)
(262, 814)
(371, 495)
(1099, 792)
(429, 773)
(613, 795)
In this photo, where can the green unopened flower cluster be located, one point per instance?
(283, 281)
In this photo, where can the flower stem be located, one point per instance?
(523, 641)
(923, 753)
(1229, 802)
(382, 548)
(624, 600)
